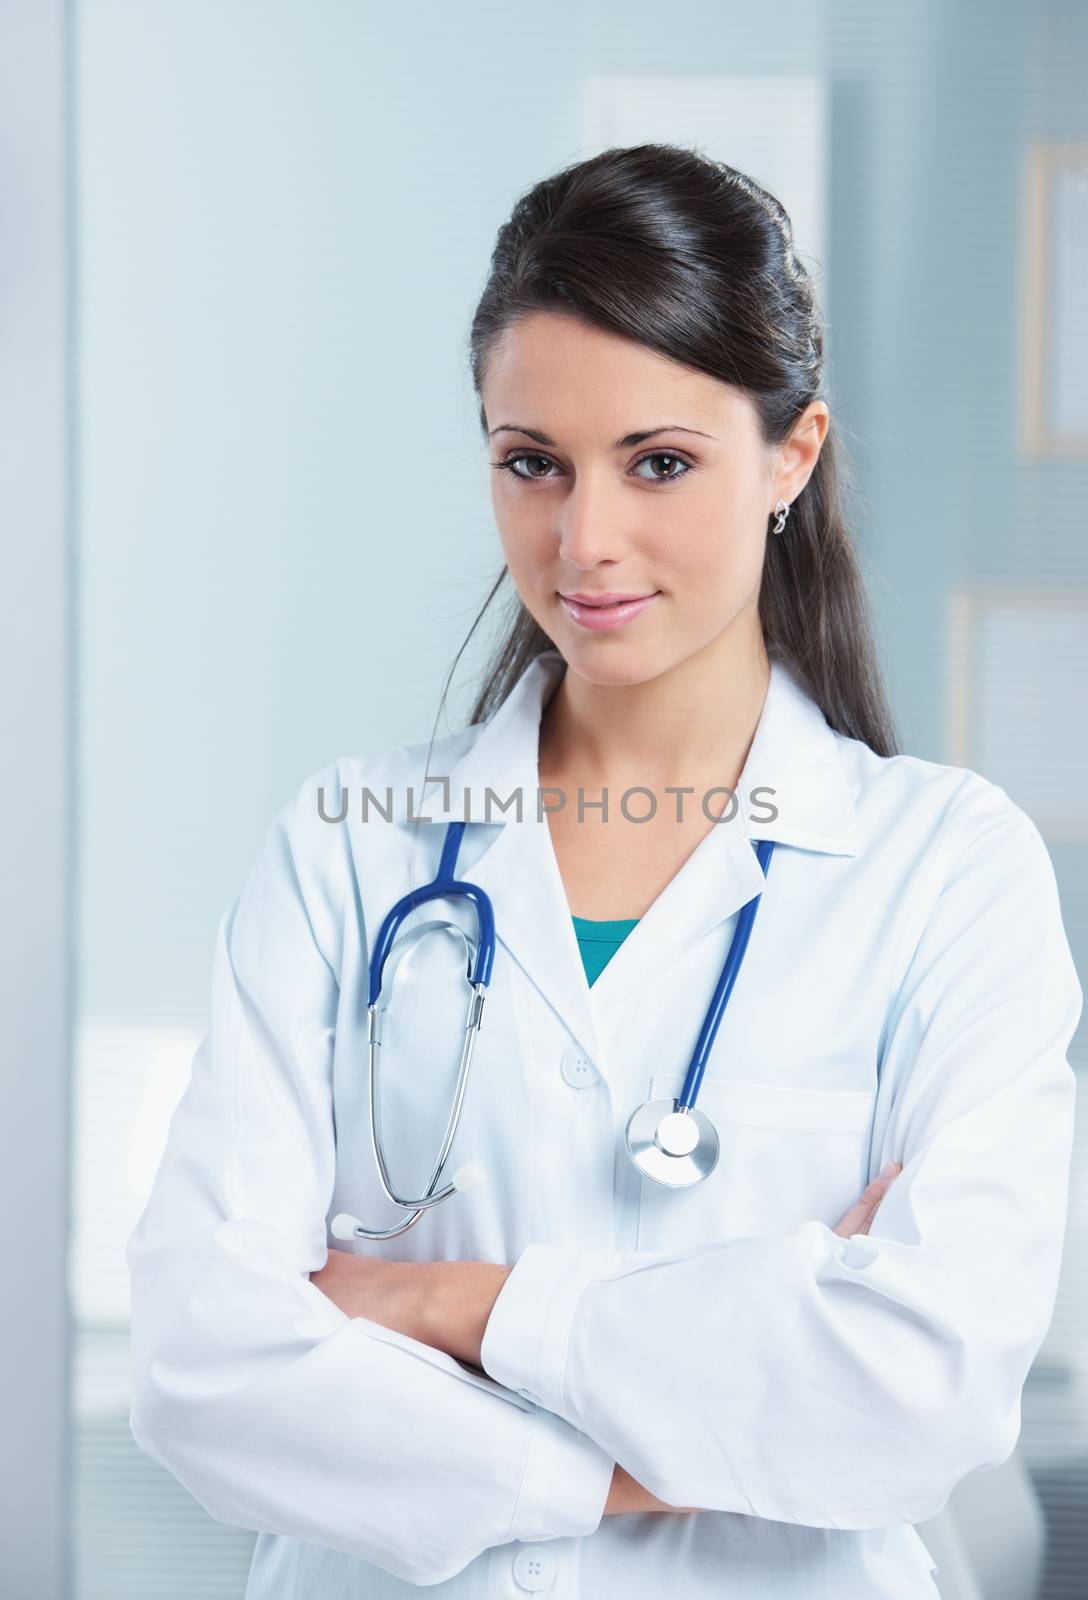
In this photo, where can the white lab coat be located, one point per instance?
(908, 994)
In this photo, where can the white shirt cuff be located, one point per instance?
(525, 1341)
(565, 1484)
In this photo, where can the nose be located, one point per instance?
(589, 523)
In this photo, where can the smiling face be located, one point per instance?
(584, 507)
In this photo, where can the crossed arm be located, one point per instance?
(446, 1304)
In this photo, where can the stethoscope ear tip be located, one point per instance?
(343, 1226)
(469, 1175)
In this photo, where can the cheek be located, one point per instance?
(524, 535)
(506, 524)
(709, 548)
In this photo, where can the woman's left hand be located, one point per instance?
(445, 1304)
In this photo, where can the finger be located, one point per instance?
(859, 1218)
(887, 1178)
(854, 1220)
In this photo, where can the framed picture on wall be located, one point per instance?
(1055, 349)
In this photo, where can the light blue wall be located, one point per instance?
(285, 217)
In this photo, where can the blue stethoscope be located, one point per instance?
(670, 1141)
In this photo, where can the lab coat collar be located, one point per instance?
(794, 753)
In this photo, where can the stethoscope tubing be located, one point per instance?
(720, 999)
(445, 886)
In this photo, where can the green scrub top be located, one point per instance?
(599, 941)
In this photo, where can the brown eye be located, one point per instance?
(534, 468)
(674, 467)
(514, 463)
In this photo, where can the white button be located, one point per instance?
(534, 1568)
(578, 1069)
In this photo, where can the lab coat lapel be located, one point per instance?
(520, 872)
(513, 861)
(793, 754)
(721, 875)
(794, 766)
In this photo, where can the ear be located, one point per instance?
(798, 454)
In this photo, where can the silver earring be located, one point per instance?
(781, 511)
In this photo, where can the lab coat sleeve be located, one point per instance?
(276, 1410)
(852, 1383)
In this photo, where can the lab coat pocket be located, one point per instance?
(788, 1155)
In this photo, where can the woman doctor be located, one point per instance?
(572, 1379)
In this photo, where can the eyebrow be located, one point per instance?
(628, 440)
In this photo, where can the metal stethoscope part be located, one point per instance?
(670, 1141)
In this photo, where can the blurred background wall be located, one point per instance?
(280, 216)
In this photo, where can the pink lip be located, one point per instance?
(603, 613)
(605, 598)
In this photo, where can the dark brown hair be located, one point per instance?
(693, 259)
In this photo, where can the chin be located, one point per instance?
(614, 668)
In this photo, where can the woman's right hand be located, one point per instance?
(626, 1493)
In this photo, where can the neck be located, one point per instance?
(692, 724)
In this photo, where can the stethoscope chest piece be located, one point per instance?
(671, 1142)
(676, 1148)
